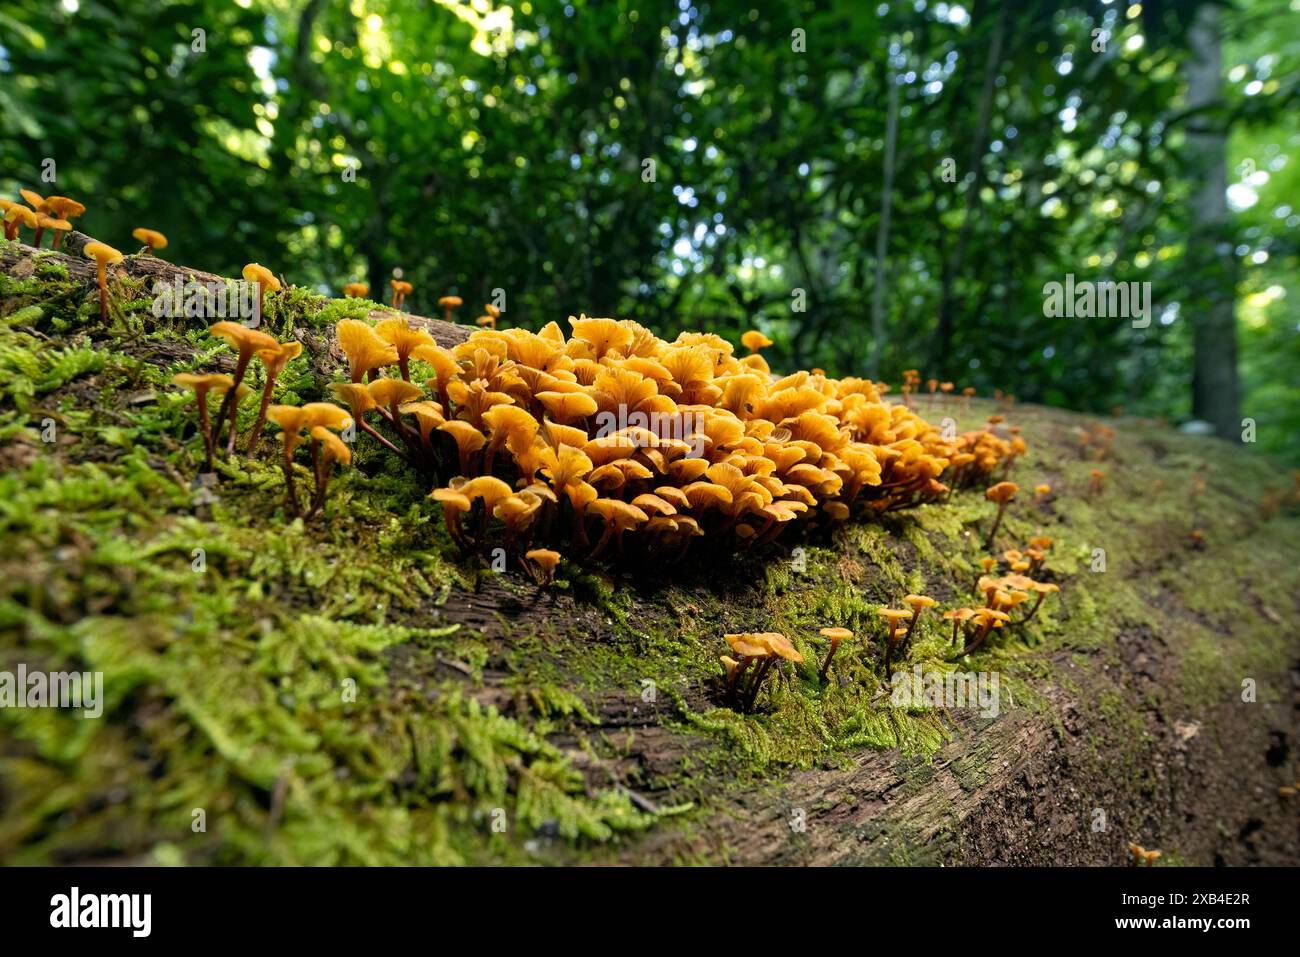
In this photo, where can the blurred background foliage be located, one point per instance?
(503, 145)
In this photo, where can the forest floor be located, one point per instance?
(353, 690)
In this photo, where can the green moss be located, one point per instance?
(352, 690)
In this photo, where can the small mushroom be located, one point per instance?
(836, 635)
(356, 290)
(544, 561)
(894, 616)
(331, 449)
(105, 256)
(275, 359)
(63, 209)
(265, 279)
(755, 341)
(401, 289)
(19, 215)
(455, 503)
(1001, 493)
(918, 604)
(44, 222)
(202, 384)
(399, 334)
(152, 239)
(448, 305)
(246, 342)
(291, 419)
(365, 349)
(618, 516)
(468, 440)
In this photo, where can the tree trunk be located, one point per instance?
(882, 236)
(1215, 395)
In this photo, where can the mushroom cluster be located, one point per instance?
(39, 214)
(756, 655)
(616, 440)
(1002, 594)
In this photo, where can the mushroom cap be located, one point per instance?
(468, 439)
(335, 449)
(622, 515)
(202, 382)
(1002, 492)
(544, 557)
(49, 222)
(959, 614)
(63, 207)
(364, 348)
(895, 614)
(401, 287)
(240, 337)
(327, 414)
(489, 488)
(105, 254)
(452, 499)
(779, 645)
(748, 645)
(753, 340)
(517, 510)
(277, 357)
(17, 211)
(151, 237)
(356, 290)
(650, 503)
(836, 510)
(355, 394)
(256, 272)
(389, 391)
(919, 601)
(450, 302)
(398, 333)
(836, 635)
(32, 198)
(510, 421)
(567, 406)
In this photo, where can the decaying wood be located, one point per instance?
(143, 266)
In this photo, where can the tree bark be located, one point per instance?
(1212, 260)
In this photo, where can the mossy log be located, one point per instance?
(355, 690)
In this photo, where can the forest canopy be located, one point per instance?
(876, 187)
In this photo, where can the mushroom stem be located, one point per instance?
(40, 232)
(206, 425)
(370, 430)
(57, 240)
(604, 540)
(997, 523)
(821, 675)
(228, 403)
(1041, 596)
(261, 414)
(291, 493)
(103, 295)
(889, 647)
(318, 495)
